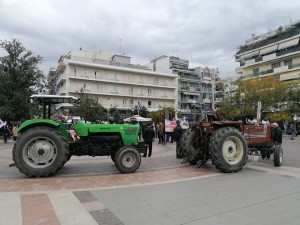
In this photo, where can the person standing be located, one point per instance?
(161, 133)
(276, 134)
(14, 132)
(293, 130)
(177, 132)
(6, 133)
(148, 136)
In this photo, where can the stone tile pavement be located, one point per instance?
(163, 191)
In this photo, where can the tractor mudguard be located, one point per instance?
(44, 122)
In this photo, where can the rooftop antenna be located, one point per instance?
(253, 33)
(120, 40)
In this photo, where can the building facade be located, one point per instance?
(113, 80)
(276, 53)
(196, 86)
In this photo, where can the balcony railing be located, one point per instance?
(82, 77)
(275, 70)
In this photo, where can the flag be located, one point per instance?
(1, 123)
(139, 106)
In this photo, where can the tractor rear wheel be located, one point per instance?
(127, 159)
(188, 147)
(278, 155)
(228, 150)
(40, 152)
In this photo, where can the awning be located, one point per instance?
(65, 105)
(289, 43)
(269, 49)
(245, 56)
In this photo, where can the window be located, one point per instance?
(275, 65)
(149, 104)
(115, 90)
(149, 92)
(73, 71)
(99, 88)
(98, 74)
(288, 62)
(130, 90)
(255, 71)
(125, 102)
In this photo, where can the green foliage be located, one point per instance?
(219, 86)
(162, 114)
(279, 117)
(143, 112)
(20, 77)
(114, 112)
(293, 99)
(229, 114)
(268, 90)
(90, 110)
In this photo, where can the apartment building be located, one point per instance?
(196, 86)
(113, 80)
(275, 53)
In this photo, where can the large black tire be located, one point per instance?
(188, 146)
(112, 156)
(228, 150)
(40, 152)
(127, 159)
(278, 155)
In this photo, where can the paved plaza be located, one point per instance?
(163, 191)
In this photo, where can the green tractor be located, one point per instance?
(43, 145)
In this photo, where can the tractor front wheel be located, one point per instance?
(127, 159)
(228, 150)
(40, 152)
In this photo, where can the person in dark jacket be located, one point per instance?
(6, 133)
(276, 134)
(177, 132)
(148, 136)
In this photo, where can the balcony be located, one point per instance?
(282, 69)
(61, 79)
(86, 78)
(61, 66)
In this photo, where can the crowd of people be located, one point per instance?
(9, 131)
(149, 133)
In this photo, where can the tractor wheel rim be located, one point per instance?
(232, 150)
(39, 152)
(128, 160)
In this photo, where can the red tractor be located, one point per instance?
(227, 144)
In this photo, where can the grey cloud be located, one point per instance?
(206, 33)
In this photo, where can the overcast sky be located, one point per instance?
(207, 33)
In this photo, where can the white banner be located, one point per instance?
(1, 123)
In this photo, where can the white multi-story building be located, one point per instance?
(276, 53)
(196, 86)
(113, 80)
